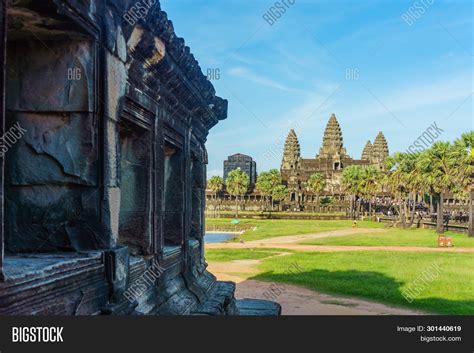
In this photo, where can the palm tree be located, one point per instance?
(352, 182)
(415, 182)
(370, 183)
(440, 169)
(316, 184)
(215, 184)
(279, 193)
(267, 182)
(395, 179)
(464, 152)
(237, 184)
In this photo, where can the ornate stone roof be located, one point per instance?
(367, 152)
(380, 149)
(292, 151)
(332, 139)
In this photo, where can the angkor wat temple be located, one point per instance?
(103, 195)
(331, 161)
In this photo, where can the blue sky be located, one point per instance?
(293, 74)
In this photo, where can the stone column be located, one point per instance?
(115, 90)
(188, 189)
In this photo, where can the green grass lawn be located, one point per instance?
(382, 276)
(395, 237)
(379, 276)
(226, 255)
(280, 227)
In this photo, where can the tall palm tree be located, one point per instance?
(215, 184)
(316, 184)
(395, 179)
(237, 184)
(267, 182)
(464, 152)
(370, 183)
(439, 167)
(352, 183)
(412, 181)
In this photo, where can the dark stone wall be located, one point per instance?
(90, 173)
(52, 171)
(82, 179)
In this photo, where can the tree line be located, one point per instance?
(446, 167)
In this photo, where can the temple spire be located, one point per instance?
(380, 150)
(367, 152)
(332, 139)
(292, 152)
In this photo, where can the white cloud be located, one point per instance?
(249, 75)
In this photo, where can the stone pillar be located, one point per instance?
(203, 226)
(115, 90)
(188, 189)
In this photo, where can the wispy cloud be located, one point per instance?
(422, 94)
(249, 75)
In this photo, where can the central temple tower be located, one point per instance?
(332, 140)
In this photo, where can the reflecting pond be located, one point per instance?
(218, 237)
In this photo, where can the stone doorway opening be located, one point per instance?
(173, 194)
(136, 206)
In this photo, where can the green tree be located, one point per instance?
(237, 184)
(370, 183)
(395, 180)
(440, 168)
(464, 153)
(352, 178)
(414, 181)
(215, 185)
(316, 184)
(279, 193)
(266, 184)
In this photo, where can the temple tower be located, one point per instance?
(380, 151)
(332, 140)
(368, 151)
(291, 153)
(290, 166)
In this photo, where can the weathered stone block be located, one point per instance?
(51, 218)
(56, 149)
(68, 85)
(115, 86)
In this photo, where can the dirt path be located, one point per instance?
(334, 248)
(288, 242)
(302, 237)
(297, 300)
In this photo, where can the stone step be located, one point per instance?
(258, 307)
